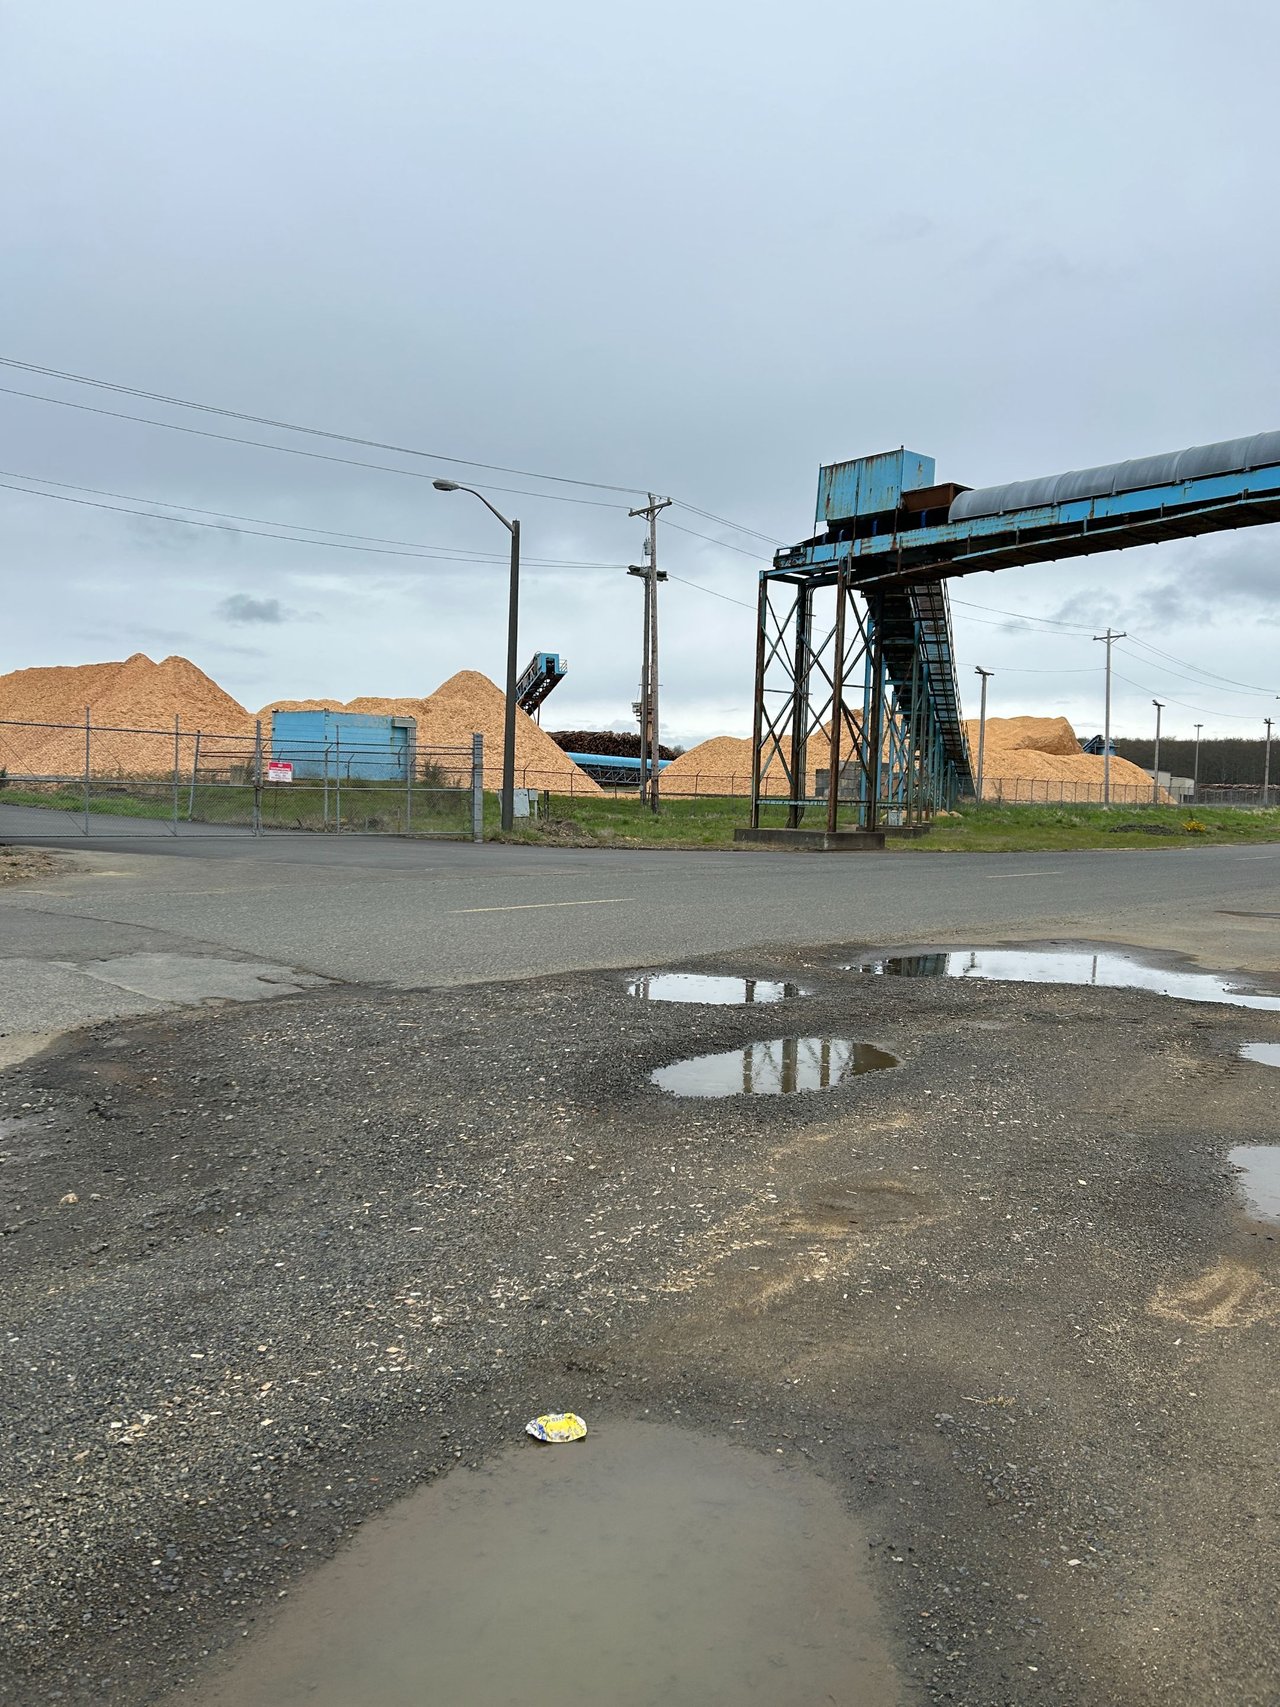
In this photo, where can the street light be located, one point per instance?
(513, 610)
(982, 725)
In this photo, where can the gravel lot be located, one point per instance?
(268, 1267)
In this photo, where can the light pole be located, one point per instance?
(982, 725)
(1110, 639)
(513, 613)
(1155, 768)
(1195, 775)
(1266, 768)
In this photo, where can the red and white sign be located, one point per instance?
(279, 770)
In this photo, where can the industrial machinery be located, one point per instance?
(544, 671)
(856, 705)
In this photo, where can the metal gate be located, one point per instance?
(68, 781)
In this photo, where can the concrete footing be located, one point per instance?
(818, 841)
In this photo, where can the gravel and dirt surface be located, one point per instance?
(268, 1267)
(20, 865)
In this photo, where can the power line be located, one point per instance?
(1025, 616)
(1235, 716)
(298, 539)
(1211, 675)
(724, 521)
(714, 594)
(458, 554)
(723, 543)
(291, 450)
(294, 427)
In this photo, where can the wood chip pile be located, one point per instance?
(1039, 758)
(135, 694)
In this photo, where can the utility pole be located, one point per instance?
(1195, 775)
(982, 726)
(1110, 638)
(1266, 767)
(1155, 767)
(649, 743)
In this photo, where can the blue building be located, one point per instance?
(344, 744)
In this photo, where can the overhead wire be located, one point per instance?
(293, 450)
(296, 427)
(459, 552)
(429, 555)
(282, 425)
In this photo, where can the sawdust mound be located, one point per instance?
(469, 702)
(136, 694)
(1039, 758)
(1035, 734)
(722, 765)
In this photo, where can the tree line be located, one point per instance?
(1229, 760)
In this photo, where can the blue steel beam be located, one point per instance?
(1040, 533)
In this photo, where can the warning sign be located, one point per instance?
(279, 770)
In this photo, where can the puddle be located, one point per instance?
(781, 1065)
(1030, 966)
(1266, 1053)
(710, 988)
(646, 1564)
(1260, 1166)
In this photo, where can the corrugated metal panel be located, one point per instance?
(1230, 456)
(870, 485)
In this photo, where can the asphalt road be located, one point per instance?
(404, 914)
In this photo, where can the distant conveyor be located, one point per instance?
(874, 665)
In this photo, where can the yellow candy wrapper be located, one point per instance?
(556, 1427)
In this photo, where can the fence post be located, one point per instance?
(337, 782)
(195, 767)
(87, 738)
(477, 788)
(411, 750)
(257, 777)
(177, 720)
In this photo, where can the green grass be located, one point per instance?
(596, 821)
(604, 821)
(297, 806)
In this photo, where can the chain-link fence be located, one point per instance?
(113, 781)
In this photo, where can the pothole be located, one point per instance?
(713, 989)
(645, 1564)
(773, 1068)
(1259, 1166)
(1067, 966)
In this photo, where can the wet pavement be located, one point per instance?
(776, 1067)
(274, 1268)
(708, 988)
(646, 1564)
(1097, 969)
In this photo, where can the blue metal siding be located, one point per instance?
(869, 485)
(348, 744)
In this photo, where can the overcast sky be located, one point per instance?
(693, 247)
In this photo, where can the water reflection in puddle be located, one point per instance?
(1260, 1166)
(773, 1068)
(1029, 966)
(711, 988)
(645, 1565)
(1268, 1054)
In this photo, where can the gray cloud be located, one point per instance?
(802, 294)
(243, 607)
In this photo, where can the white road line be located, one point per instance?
(529, 906)
(999, 876)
